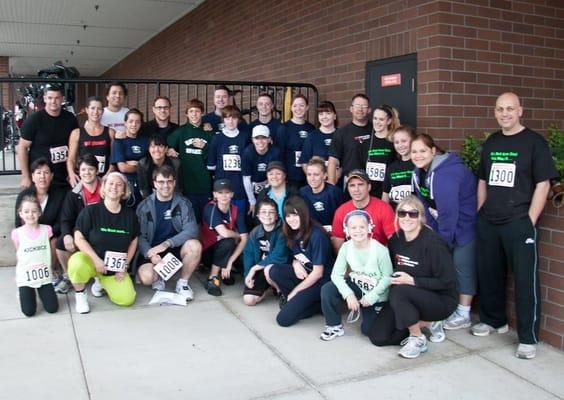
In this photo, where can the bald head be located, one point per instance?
(508, 112)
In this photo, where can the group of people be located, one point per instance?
(370, 215)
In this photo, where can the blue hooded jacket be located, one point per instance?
(452, 187)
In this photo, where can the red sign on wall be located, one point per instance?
(390, 80)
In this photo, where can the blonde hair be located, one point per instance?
(414, 202)
(127, 191)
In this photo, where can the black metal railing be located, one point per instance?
(141, 93)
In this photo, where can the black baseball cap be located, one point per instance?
(222, 184)
(358, 173)
(276, 165)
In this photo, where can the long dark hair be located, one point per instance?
(297, 205)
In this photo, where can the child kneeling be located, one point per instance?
(365, 287)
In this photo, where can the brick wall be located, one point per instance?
(4, 71)
(468, 52)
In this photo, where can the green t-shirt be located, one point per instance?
(193, 160)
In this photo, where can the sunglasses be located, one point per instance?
(412, 213)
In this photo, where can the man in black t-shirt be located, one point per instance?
(344, 151)
(161, 124)
(46, 134)
(514, 180)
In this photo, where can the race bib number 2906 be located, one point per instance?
(502, 174)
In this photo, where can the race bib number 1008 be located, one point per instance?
(168, 266)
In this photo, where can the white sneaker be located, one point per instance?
(81, 299)
(332, 332)
(96, 288)
(482, 329)
(437, 332)
(159, 284)
(457, 321)
(184, 289)
(413, 346)
(526, 351)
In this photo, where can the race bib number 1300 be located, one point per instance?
(502, 174)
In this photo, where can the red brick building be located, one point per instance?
(468, 52)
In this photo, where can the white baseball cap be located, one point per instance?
(261, 130)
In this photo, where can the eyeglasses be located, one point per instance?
(266, 213)
(162, 108)
(360, 107)
(165, 182)
(412, 213)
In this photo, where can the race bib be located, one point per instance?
(502, 174)
(231, 162)
(398, 193)
(101, 164)
(115, 261)
(301, 257)
(34, 275)
(168, 266)
(364, 283)
(376, 171)
(258, 186)
(297, 155)
(59, 154)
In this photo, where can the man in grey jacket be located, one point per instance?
(167, 225)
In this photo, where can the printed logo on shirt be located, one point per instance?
(507, 156)
(190, 142)
(113, 230)
(530, 241)
(319, 206)
(303, 134)
(220, 126)
(400, 175)
(327, 142)
(406, 261)
(379, 152)
(136, 149)
(264, 246)
(362, 138)
(93, 143)
(167, 214)
(35, 248)
(261, 167)
(233, 149)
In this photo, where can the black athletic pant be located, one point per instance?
(407, 306)
(513, 243)
(332, 302)
(28, 300)
(305, 304)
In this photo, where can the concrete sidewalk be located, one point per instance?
(217, 348)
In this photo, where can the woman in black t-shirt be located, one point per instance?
(299, 283)
(93, 138)
(106, 235)
(423, 284)
(397, 183)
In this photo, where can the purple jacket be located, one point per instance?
(449, 197)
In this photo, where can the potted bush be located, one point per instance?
(556, 145)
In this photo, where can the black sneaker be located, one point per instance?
(229, 281)
(282, 300)
(213, 286)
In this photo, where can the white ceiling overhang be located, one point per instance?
(91, 35)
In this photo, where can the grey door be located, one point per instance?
(392, 81)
